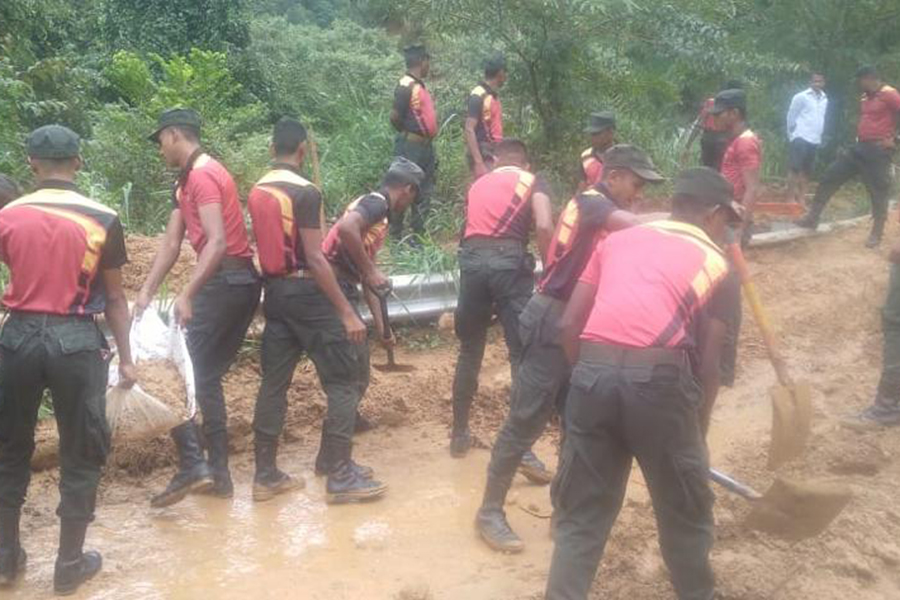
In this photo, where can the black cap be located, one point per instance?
(600, 121)
(708, 186)
(415, 53)
(495, 63)
(626, 156)
(53, 141)
(866, 71)
(406, 171)
(176, 117)
(728, 99)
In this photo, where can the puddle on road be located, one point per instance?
(420, 536)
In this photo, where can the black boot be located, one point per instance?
(534, 470)
(811, 219)
(460, 442)
(193, 473)
(324, 461)
(345, 483)
(491, 521)
(73, 567)
(12, 556)
(269, 481)
(218, 463)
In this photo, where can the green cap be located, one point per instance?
(600, 121)
(53, 141)
(626, 156)
(176, 117)
(708, 186)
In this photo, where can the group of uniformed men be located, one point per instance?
(626, 329)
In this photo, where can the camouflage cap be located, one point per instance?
(176, 117)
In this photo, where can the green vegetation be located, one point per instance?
(107, 67)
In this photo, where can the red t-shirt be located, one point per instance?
(280, 204)
(744, 152)
(591, 167)
(56, 242)
(653, 282)
(484, 106)
(878, 115)
(208, 182)
(413, 103)
(375, 210)
(498, 204)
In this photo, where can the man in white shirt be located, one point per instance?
(805, 123)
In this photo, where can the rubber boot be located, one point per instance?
(323, 461)
(12, 556)
(491, 521)
(534, 470)
(73, 566)
(269, 481)
(218, 463)
(876, 234)
(193, 473)
(345, 484)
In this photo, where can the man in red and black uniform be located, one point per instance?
(413, 116)
(484, 120)
(602, 129)
(869, 159)
(650, 310)
(543, 369)
(307, 311)
(496, 273)
(714, 140)
(64, 253)
(218, 303)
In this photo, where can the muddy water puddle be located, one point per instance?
(420, 537)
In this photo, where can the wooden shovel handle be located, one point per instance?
(759, 314)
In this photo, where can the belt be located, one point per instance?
(235, 263)
(415, 137)
(483, 241)
(299, 274)
(632, 357)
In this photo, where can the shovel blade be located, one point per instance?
(797, 510)
(395, 368)
(791, 422)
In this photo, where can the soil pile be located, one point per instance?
(161, 379)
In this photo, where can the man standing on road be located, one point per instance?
(484, 120)
(307, 311)
(743, 157)
(602, 129)
(413, 116)
(713, 141)
(497, 277)
(64, 253)
(869, 158)
(544, 370)
(218, 303)
(650, 310)
(805, 124)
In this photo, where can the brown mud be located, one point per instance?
(823, 296)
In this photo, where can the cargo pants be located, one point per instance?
(62, 354)
(223, 311)
(618, 409)
(496, 276)
(301, 319)
(539, 388)
(422, 153)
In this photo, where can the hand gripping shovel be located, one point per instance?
(791, 401)
(790, 509)
(391, 366)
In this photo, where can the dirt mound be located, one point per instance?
(141, 251)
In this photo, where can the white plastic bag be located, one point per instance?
(151, 339)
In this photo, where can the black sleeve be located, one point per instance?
(541, 186)
(593, 211)
(402, 96)
(374, 209)
(114, 255)
(307, 207)
(475, 104)
(726, 299)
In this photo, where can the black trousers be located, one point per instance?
(301, 319)
(713, 145)
(63, 354)
(869, 162)
(615, 413)
(223, 311)
(497, 278)
(539, 388)
(422, 154)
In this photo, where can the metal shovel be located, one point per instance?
(790, 509)
(791, 401)
(391, 366)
